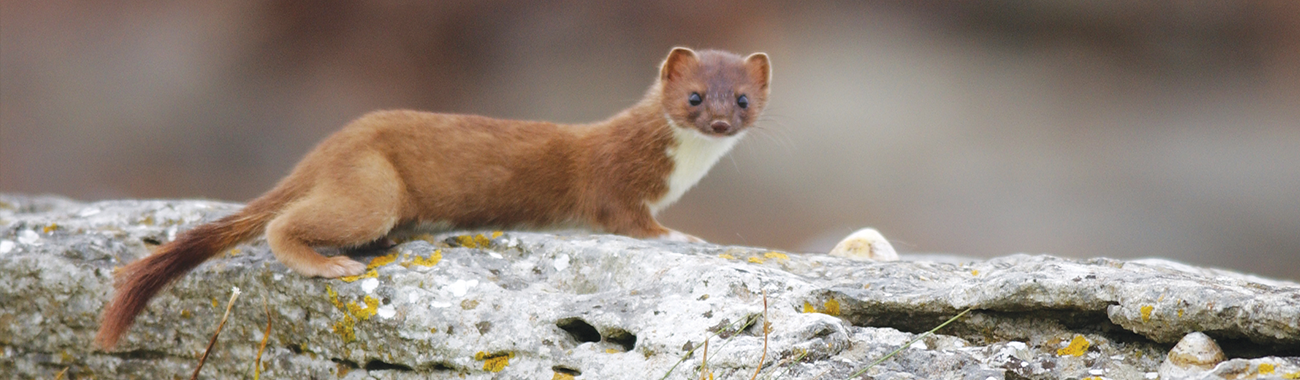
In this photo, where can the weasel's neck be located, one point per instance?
(692, 154)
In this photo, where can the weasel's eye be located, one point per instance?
(743, 101)
(695, 99)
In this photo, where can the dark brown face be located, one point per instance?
(714, 92)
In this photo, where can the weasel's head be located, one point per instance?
(714, 92)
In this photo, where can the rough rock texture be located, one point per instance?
(513, 305)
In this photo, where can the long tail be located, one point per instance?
(139, 281)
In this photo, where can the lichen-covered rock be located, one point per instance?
(515, 305)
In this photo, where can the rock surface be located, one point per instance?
(513, 305)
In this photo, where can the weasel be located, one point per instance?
(389, 168)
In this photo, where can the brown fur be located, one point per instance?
(394, 167)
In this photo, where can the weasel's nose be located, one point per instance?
(721, 127)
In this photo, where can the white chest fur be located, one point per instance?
(692, 157)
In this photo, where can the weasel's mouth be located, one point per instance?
(710, 132)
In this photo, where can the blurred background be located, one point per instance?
(981, 128)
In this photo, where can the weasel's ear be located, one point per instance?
(759, 69)
(675, 65)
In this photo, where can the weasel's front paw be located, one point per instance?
(674, 235)
(865, 244)
(339, 266)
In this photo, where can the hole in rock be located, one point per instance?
(579, 329)
(376, 365)
(566, 370)
(622, 338)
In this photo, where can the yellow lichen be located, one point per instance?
(382, 260)
(369, 274)
(371, 305)
(497, 234)
(214, 302)
(776, 255)
(1180, 313)
(727, 256)
(562, 376)
(1266, 368)
(334, 298)
(185, 313)
(975, 272)
(494, 362)
(50, 228)
(832, 307)
(611, 351)
(475, 241)
(1077, 347)
(1292, 375)
(433, 259)
(433, 330)
(756, 260)
(1146, 313)
(345, 327)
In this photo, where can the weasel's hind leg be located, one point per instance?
(348, 213)
(330, 223)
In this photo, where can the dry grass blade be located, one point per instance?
(257, 365)
(909, 343)
(766, 327)
(233, 295)
(704, 363)
(691, 352)
(62, 373)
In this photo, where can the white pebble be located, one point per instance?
(561, 263)
(461, 287)
(6, 246)
(865, 244)
(28, 237)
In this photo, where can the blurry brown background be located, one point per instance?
(1087, 128)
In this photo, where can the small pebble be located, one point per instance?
(865, 244)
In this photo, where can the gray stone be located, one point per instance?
(535, 305)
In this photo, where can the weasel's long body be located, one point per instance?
(395, 167)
